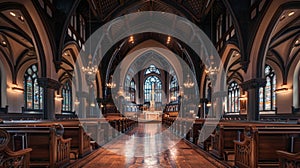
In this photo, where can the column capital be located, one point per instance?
(253, 83)
(48, 83)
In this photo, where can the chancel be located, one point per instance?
(150, 83)
(153, 113)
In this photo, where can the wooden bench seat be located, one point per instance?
(80, 144)
(258, 149)
(222, 140)
(49, 148)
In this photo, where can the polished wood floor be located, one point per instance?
(147, 146)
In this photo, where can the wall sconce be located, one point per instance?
(92, 104)
(208, 104)
(243, 97)
(76, 102)
(58, 98)
(17, 89)
(283, 89)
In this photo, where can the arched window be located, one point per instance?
(233, 98)
(150, 82)
(132, 91)
(174, 88)
(152, 69)
(208, 89)
(66, 92)
(267, 96)
(207, 95)
(32, 91)
(219, 28)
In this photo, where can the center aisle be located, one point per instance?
(138, 148)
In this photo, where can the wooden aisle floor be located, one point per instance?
(139, 149)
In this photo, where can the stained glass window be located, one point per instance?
(150, 82)
(174, 88)
(267, 96)
(233, 97)
(208, 92)
(33, 93)
(152, 69)
(132, 91)
(67, 97)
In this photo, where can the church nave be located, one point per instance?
(140, 148)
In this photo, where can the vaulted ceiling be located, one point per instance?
(284, 44)
(16, 40)
(105, 9)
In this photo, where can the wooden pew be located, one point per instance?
(97, 130)
(204, 134)
(258, 149)
(197, 125)
(81, 133)
(49, 148)
(105, 129)
(222, 140)
(288, 160)
(9, 158)
(80, 144)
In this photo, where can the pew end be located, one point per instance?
(20, 158)
(288, 160)
(244, 158)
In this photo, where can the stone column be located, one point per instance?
(218, 99)
(201, 110)
(82, 108)
(49, 86)
(252, 87)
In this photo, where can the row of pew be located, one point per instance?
(55, 143)
(251, 144)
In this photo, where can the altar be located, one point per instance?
(152, 115)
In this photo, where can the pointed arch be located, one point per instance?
(267, 95)
(66, 93)
(174, 88)
(262, 39)
(233, 102)
(33, 93)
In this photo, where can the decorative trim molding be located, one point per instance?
(253, 84)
